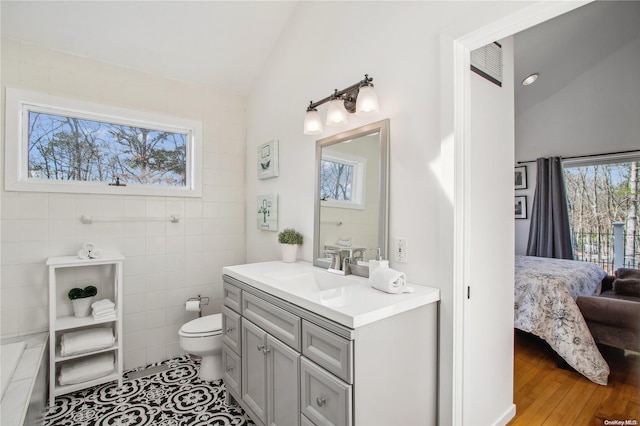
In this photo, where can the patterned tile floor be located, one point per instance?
(175, 397)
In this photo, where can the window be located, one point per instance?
(600, 194)
(60, 145)
(342, 181)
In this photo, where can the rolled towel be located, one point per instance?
(95, 253)
(104, 305)
(88, 246)
(86, 369)
(389, 280)
(83, 254)
(83, 341)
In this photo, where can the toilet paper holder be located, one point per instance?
(201, 300)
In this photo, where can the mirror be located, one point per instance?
(351, 196)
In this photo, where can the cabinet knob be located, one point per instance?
(266, 350)
(229, 369)
(229, 329)
(320, 401)
(261, 347)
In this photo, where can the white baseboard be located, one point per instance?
(507, 416)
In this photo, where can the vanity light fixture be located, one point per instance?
(530, 79)
(359, 98)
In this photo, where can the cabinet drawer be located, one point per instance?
(232, 296)
(274, 320)
(328, 350)
(326, 400)
(231, 329)
(231, 366)
(305, 421)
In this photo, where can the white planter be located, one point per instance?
(82, 307)
(289, 252)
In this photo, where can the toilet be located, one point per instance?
(203, 337)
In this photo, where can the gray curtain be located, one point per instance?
(550, 233)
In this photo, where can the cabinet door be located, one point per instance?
(283, 384)
(232, 369)
(254, 368)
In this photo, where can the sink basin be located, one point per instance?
(326, 280)
(317, 279)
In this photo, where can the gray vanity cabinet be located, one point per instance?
(293, 366)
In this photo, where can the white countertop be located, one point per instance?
(348, 300)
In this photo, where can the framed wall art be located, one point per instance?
(521, 177)
(268, 160)
(267, 209)
(521, 207)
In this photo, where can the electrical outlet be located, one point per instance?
(400, 250)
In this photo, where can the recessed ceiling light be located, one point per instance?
(530, 79)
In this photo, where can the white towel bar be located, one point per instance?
(90, 219)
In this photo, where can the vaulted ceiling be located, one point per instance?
(225, 44)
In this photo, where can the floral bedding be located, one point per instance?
(545, 294)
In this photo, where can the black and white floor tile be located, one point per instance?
(175, 397)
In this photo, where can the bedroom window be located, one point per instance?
(600, 194)
(61, 145)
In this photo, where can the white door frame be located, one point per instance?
(458, 49)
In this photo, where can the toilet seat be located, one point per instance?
(209, 325)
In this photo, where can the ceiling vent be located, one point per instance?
(487, 62)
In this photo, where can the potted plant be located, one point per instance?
(81, 300)
(290, 240)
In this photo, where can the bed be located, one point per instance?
(544, 304)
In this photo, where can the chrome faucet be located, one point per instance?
(339, 265)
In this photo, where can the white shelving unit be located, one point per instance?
(59, 324)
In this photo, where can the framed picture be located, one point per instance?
(521, 177)
(267, 209)
(268, 160)
(521, 207)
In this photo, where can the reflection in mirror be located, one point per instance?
(351, 197)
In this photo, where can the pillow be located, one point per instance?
(627, 273)
(628, 286)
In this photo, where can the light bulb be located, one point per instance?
(367, 102)
(312, 122)
(336, 114)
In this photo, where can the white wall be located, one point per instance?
(330, 45)
(598, 112)
(165, 263)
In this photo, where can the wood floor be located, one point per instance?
(547, 395)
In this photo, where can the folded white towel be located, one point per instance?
(389, 280)
(88, 246)
(83, 254)
(105, 316)
(86, 369)
(104, 305)
(83, 341)
(95, 253)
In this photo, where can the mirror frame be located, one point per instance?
(382, 127)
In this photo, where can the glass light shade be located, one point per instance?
(336, 114)
(367, 102)
(312, 123)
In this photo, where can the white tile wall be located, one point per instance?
(166, 263)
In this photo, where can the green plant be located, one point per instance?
(290, 236)
(81, 293)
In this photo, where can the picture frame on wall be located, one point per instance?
(521, 177)
(521, 207)
(268, 160)
(267, 210)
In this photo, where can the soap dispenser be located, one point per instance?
(378, 262)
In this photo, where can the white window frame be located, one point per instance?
(357, 183)
(18, 104)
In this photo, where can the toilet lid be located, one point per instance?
(206, 324)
